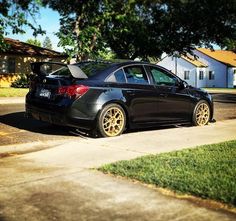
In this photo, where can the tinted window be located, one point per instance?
(89, 68)
(64, 71)
(135, 75)
(117, 76)
(162, 78)
(92, 68)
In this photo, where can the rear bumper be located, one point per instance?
(59, 116)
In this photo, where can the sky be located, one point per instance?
(49, 21)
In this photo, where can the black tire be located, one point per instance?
(111, 121)
(201, 113)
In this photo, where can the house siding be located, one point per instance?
(231, 77)
(201, 82)
(220, 71)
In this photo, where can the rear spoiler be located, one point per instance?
(75, 71)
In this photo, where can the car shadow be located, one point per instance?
(18, 120)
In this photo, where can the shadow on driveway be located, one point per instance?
(19, 121)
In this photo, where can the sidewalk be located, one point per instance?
(58, 183)
(88, 153)
(12, 100)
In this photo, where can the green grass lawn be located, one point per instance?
(207, 171)
(13, 92)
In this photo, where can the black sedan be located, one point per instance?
(107, 97)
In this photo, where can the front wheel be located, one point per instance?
(201, 114)
(111, 120)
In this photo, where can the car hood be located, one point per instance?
(198, 92)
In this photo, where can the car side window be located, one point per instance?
(117, 76)
(136, 75)
(162, 78)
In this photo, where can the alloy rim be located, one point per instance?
(202, 114)
(113, 121)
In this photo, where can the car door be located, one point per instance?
(139, 94)
(173, 101)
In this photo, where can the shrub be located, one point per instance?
(21, 82)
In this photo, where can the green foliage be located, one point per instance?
(144, 29)
(208, 171)
(47, 43)
(106, 54)
(14, 18)
(230, 44)
(34, 42)
(80, 30)
(21, 82)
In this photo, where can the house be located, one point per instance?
(187, 68)
(210, 68)
(221, 71)
(18, 56)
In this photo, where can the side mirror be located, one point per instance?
(182, 85)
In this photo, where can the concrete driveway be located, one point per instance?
(59, 184)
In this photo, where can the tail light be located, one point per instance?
(73, 90)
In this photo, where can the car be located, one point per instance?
(108, 97)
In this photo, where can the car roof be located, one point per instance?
(112, 65)
(114, 62)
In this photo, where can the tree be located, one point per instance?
(230, 44)
(148, 28)
(14, 18)
(47, 43)
(143, 28)
(79, 32)
(34, 42)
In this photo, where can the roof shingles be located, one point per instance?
(22, 48)
(223, 56)
(194, 61)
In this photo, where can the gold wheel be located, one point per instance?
(113, 121)
(202, 114)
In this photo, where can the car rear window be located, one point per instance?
(62, 72)
(117, 77)
(89, 68)
(93, 68)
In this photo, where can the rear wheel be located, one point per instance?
(201, 114)
(111, 120)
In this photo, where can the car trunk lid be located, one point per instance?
(54, 81)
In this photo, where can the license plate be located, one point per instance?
(45, 93)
